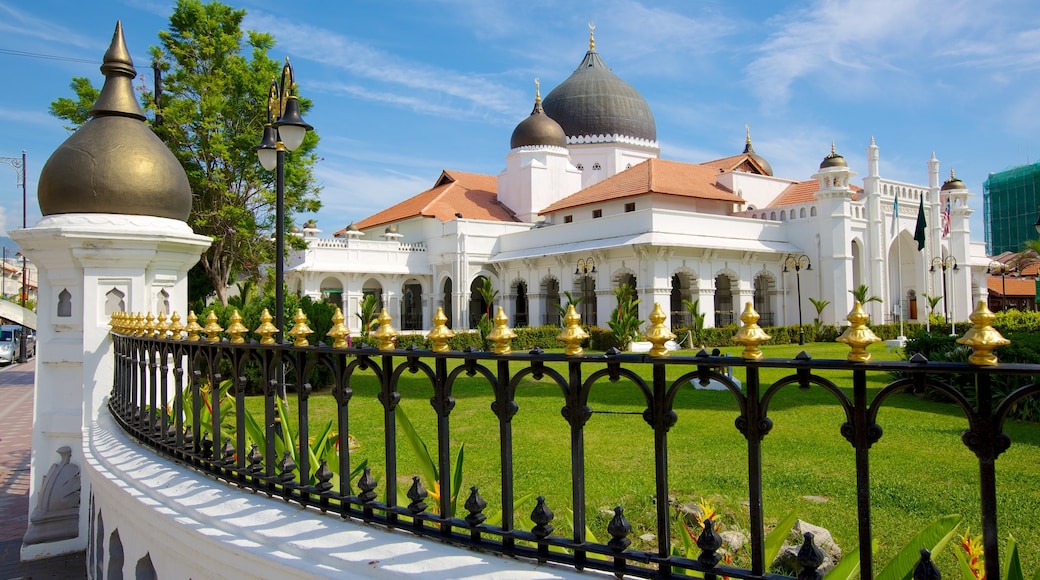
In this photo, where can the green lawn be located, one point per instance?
(920, 467)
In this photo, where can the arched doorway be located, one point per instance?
(551, 291)
(411, 311)
(520, 304)
(723, 300)
(680, 316)
(764, 294)
(586, 289)
(477, 306)
(446, 301)
(332, 291)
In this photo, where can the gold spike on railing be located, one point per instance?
(139, 324)
(114, 322)
(658, 333)
(151, 325)
(440, 333)
(501, 335)
(982, 338)
(751, 334)
(858, 336)
(300, 330)
(339, 331)
(193, 328)
(176, 328)
(572, 334)
(163, 326)
(236, 329)
(266, 330)
(386, 333)
(212, 329)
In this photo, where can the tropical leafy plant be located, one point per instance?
(624, 320)
(572, 300)
(934, 537)
(933, 301)
(367, 313)
(694, 308)
(862, 294)
(427, 464)
(819, 304)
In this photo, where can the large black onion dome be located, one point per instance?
(538, 130)
(833, 160)
(953, 183)
(114, 163)
(595, 101)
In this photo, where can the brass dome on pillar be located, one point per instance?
(114, 163)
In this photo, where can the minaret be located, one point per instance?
(834, 262)
(113, 237)
(879, 227)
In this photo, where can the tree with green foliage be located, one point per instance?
(213, 108)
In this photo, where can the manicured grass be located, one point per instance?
(920, 469)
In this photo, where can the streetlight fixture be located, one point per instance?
(284, 131)
(585, 267)
(798, 262)
(1003, 269)
(18, 163)
(947, 263)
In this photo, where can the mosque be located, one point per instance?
(586, 203)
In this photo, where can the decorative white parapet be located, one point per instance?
(150, 514)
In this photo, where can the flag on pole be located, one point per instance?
(921, 226)
(946, 219)
(895, 215)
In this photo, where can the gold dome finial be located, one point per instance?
(833, 150)
(117, 95)
(858, 335)
(981, 337)
(537, 91)
(747, 133)
(592, 37)
(952, 176)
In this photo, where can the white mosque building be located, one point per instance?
(586, 203)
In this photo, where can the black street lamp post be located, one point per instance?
(1003, 269)
(284, 131)
(585, 267)
(798, 262)
(947, 263)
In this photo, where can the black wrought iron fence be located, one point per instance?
(167, 393)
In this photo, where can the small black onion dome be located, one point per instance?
(833, 160)
(114, 163)
(538, 130)
(953, 183)
(595, 101)
(750, 152)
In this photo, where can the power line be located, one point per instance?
(46, 56)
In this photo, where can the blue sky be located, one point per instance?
(404, 89)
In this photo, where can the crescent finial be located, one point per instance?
(592, 37)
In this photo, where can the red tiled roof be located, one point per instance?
(652, 176)
(474, 195)
(733, 162)
(1015, 286)
(804, 192)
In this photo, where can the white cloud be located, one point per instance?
(14, 22)
(354, 194)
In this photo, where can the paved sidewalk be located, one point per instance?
(16, 411)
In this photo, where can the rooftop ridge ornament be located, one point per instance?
(440, 333)
(572, 334)
(858, 336)
(117, 95)
(751, 334)
(981, 337)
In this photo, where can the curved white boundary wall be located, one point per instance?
(193, 526)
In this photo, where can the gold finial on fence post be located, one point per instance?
(113, 321)
(212, 329)
(858, 336)
(982, 338)
(236, 329)
(176, 328)
(140, 326)
(266, 330)
(386, 334)
(163, 327)
(339, 331)
(150, 325)
(193, 328)
(572, 334)
(440, 334)
(751, 334)
(300, 330)
(658, 333)
(501, 335)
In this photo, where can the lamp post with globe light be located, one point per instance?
(284, 131)
(947, 263)
(798, 262)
